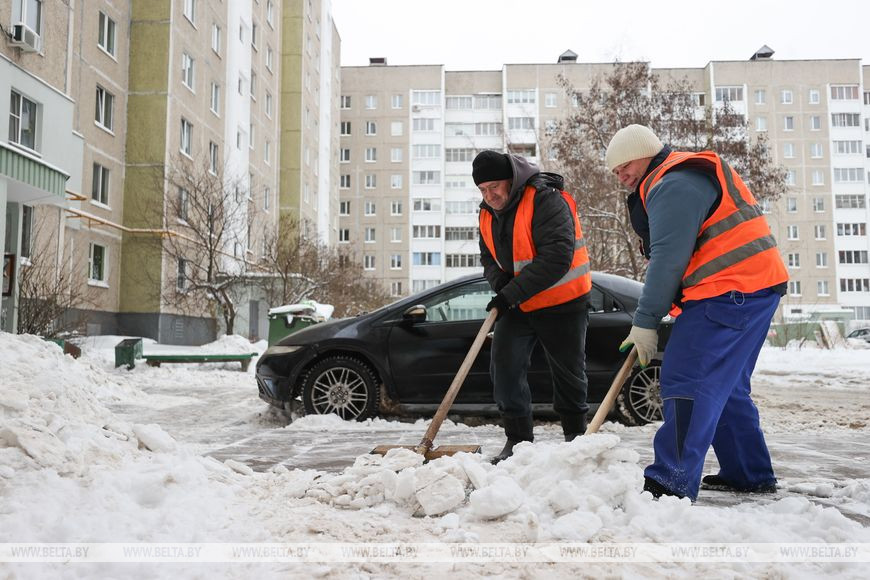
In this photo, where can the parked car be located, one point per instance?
(403, 357)
(860, 333)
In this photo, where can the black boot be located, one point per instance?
(656, 489)
(716, 483)
(517, 430)
(573, 426)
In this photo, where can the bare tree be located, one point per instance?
(671, 107)
(52, 295)
(208, 222)
(302, 267)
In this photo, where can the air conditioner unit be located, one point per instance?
(25, 38)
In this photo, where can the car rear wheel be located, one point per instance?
(341, 385)
(640, 400)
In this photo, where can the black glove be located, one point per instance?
(500, 303)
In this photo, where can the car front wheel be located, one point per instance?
(640, 400)
(341, 385)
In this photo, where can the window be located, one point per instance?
(267, 195)
(818, 177)
(854, 284)
(760, 96)
(761, 123)
(844, 93)
(815, 123)
(487, 129)
(788, 123)
(845, 119)
(459, 103)
(190, 10)
(215, 98)
(29, 12)
(104, 107)
(183, 204)
(26, 231)
(344, 235)
(344, 206)
(371, 181)
(254, 35)
(819, 232)
(786, 97)
(22, 121)
(850, 201)
(459, 155)
(270, 57)
(794, 287)
(268, 104)
(816, 151)
(186, 134)
(344, 155)
(821, 259)
(729, 94)
(371, 128)
(426, 258)
(790, 177)
(106, 34)
(345, 101)
(822, 288)
(253, 85)
(396, 181)
(462, 261)
(370, 235)
(794, 260)
(213, 157)
(847, 148)
(550, 100)
(852, 256)
(426, 177)
(395, 289)
(427, 151)
(371, 102)
(344, 181)
(270, 11)
(97, 263)
(792, 232)
(344, 130)
(521, 96)
(180, 274)
(100, 184)
(423, 125)
(187, 70)
(426, 98)
(819, 204)
(427, 204)
(461, 207)
(521, 123)
(368, 262)
(241, 85)
(788, 150)
(216, 38)
(267, 152)
(396, 262)
(460, 233)
(815, 96)
(856, 229)
(426, 232)
(396, 207)
(397, 128)
(848, 174)
(395, 234)
(396, 101)
(791, 204)
(371, 154)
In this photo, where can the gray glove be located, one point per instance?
(646, 340)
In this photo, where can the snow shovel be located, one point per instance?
(425, 446)
(607, 404)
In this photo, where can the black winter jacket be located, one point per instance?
(552, 233)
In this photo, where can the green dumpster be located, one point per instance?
(285, 320)
(127, 351)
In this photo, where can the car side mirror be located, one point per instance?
(414, 314)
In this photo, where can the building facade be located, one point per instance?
(408, 203)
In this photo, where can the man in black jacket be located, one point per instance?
(541, 294)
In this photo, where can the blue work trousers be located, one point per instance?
(705, 384)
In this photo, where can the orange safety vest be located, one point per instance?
(576, 282)
(735, 249)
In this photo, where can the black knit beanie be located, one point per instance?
(490, 166)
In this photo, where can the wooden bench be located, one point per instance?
(154, 360)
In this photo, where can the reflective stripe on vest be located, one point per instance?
(576, 282)
(734, 249)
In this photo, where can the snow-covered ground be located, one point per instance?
(187, 462)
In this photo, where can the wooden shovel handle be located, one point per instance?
(607, 404)
(447, 402)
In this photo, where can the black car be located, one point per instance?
(401, 358)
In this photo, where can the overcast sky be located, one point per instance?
(485, 34)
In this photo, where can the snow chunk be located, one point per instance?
(498, 499)
(154, 438)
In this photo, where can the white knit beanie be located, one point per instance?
(630, 143)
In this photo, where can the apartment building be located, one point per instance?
(814, 112)
(106, 98)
